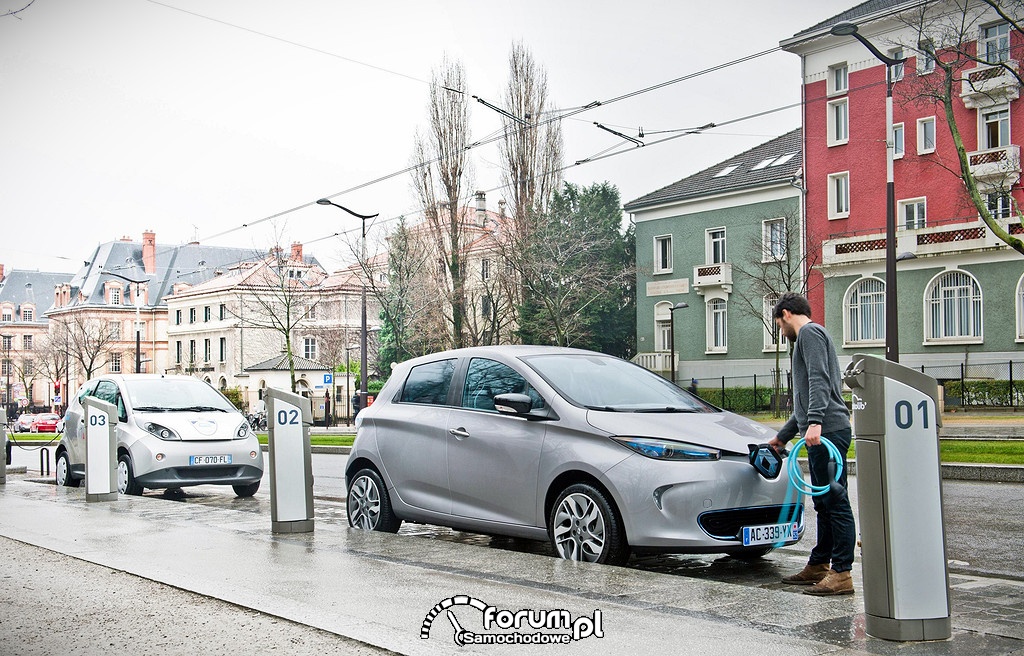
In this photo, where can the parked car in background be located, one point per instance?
(595, 454)
(172, 432)
(45, 423)
(24, 423)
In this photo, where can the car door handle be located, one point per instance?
(460, 433)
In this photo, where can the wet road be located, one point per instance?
(983, 524)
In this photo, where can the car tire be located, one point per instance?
(126, 483)
(246, 490)
(750, 553)
(585, 526)
(62, 472)
(369, 505)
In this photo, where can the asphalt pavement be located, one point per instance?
(209, 550)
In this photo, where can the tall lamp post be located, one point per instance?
(892, 337)
(672, 335)
(8, 339)
(362, 333)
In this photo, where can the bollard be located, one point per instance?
(291, 469)
(44, 458)
(100, 450)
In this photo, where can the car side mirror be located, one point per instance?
(517, 405)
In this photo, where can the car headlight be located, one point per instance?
(162, 432)
(660, 449)
(243, 431)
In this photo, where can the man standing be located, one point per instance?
(819, 412)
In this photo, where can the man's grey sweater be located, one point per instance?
(817, 385)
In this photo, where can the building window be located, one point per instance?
(7, 315)
(897, 141)
(662, 326)
(663, 254)
(26, 342)
(485, 269)
(8, 342)
(953, 307)
(1020, 309)
(114, 329)
(115, 296)
(995, 43)
(897, 70)
(926, 58)
(715, 246)
(773, 240)
(838, 78)
(177, 351)
(177, 317)
(115, 363)
(717, 326)
(309, 348)
(191, 315)
(865, 311)
(28, 367)
(485, 307)
(191, 351)
(1000, 205)
(223, 312)
(995, 128)
(27, 314)
(838, 122)
(206, 314)
(839, 195)
(206, 350)
(6, 368)
(926, 135)
(913, 213)
(311, 311)
(772, 336)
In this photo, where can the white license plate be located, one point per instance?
(209, 460)
(770, 533)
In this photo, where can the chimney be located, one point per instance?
(296, 251)
(481, 208)
(149, 251)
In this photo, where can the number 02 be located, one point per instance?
(285, 417)
(905, 414)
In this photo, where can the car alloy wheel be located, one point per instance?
(585, 527)
(369, 507)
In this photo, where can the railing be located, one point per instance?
(935, 239)
(987, 86)
(712, 275)
(1000, 165)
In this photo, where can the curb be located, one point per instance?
(316, 448)
(959, 472)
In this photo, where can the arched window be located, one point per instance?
(864, 309)
(662, 326)
(717, 330)
(953, 308)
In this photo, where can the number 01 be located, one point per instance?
(905, 414)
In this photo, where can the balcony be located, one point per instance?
(996, 166)
(712, 275)
(658, 362)
(986, 86)
(936, 239)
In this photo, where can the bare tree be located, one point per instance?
(946, 36)
(89, 340)
(15, 12)
(439, 180)
(52, 356)
(278, 295)
(772, 262)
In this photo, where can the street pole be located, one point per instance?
(892, 336)
(7, 361)
(363, 330)
(672, 335)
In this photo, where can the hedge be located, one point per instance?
(995, 393)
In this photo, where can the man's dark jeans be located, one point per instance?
(837, 534)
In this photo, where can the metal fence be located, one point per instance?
(753, 393)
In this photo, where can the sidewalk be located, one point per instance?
(379, 589)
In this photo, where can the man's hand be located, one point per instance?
(813, 435)
(776, 443)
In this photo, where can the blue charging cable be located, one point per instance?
(796, 477)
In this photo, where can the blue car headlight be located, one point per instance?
(660, 449)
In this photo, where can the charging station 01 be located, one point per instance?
(100, 450)
(291, 468)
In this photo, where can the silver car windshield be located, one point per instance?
(606, 383)
(170, 395)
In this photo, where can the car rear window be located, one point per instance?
(429, 383)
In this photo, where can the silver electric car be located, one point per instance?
(596, 454)
(172, 432)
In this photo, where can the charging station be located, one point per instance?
(291, 466)
(899, 492)
(100, 450)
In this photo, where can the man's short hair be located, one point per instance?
(795, 303)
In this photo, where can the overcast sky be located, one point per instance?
(193, 118)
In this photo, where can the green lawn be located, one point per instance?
(323, 440)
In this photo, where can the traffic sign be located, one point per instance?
(328, 379)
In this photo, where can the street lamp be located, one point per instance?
(892, 337)
(138, 318)
(672, 335)
(362, 334)
(8, 340)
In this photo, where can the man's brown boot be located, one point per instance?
(836, 583)
(809, 575)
